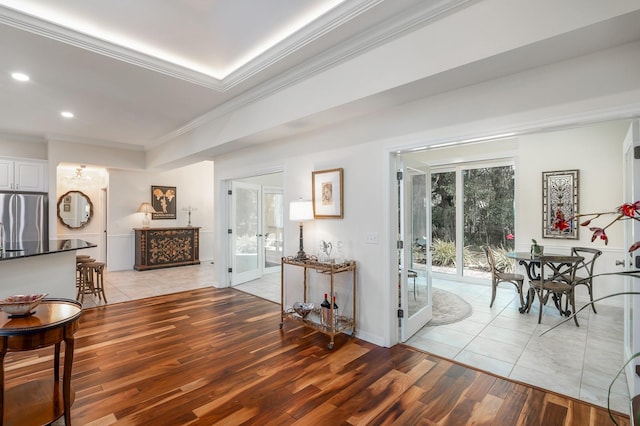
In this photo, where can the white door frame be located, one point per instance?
(631, 181)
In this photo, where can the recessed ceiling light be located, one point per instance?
(67, 114)
(20, 76)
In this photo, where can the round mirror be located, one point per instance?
(75, 209)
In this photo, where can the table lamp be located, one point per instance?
(301, 211)
(146, 208)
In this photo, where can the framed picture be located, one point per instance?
(163, 200)
(327, 192)
(66, 207)
(560, 204)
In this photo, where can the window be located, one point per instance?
(471, 206)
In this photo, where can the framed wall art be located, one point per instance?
(327, 192)
(560, 204)
(163, 200)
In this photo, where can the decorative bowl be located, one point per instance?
(21, 304)
(302, 309)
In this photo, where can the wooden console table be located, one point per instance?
(166, 247)
(40, 402)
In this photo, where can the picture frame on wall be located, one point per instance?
(163, 200)
(327, 193)
(560, 204)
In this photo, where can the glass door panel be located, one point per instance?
(414, 256)
(488, 219)
(273, 216)
(443, 222)
(417, 273)
(246, 241)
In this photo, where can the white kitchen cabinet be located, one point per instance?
(6, 175)
(23, 175)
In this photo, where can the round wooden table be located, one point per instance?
(40, 402)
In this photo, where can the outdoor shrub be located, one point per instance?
(444, 253)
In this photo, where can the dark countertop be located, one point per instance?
(40, 248)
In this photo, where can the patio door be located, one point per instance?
(414, 256)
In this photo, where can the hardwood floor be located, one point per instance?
(217, 356)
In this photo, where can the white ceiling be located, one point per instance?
(133, 72)
(137, 72)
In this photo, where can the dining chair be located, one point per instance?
(500, 276)
(556, 279)
(585, 269)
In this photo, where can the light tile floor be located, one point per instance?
(121, 286)
(575, 361)
(267, 287)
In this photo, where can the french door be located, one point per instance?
(413, 254)
(256, 230)
(245, 232)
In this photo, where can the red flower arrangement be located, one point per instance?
(623, 212)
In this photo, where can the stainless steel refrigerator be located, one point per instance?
(25, 217)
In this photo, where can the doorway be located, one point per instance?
(500, 339)
(256, 224)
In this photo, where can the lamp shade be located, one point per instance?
(300, 211)
(146, 208)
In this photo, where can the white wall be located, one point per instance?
(128, 184)
(596, 151)
(13, 146)
(593, 86)
(363, 200)
(91, 231)
(127, 189)
(482, 33)
(70, 153)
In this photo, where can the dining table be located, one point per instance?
(531, 264)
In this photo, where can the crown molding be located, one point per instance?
(21, 137)
(325, 23)
(34, 25)
(54, 137)
(401, 24)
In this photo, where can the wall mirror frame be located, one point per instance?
(75, 209)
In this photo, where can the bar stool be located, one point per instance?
(84, 278)
(98, 282)
(94, 273)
